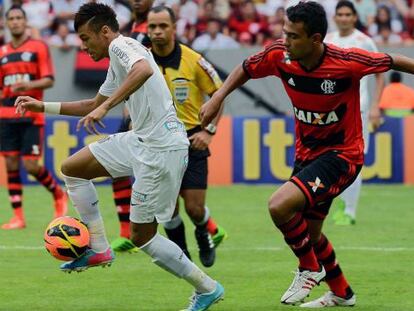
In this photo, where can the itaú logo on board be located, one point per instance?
(316, 118)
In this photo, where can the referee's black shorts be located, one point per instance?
(321, 180)
(195, 176)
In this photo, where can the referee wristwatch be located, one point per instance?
(211, 129)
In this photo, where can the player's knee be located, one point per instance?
(195, 212)
(279, 209)
(31, 167)
(67, 168)
(140, 238)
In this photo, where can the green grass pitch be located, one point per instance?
(254, 264)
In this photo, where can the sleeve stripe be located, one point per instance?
(366, 60)
(258, 57)
(246, 71)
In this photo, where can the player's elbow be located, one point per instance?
(143, 69)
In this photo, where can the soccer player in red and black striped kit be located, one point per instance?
(322, 82)
(25, 69)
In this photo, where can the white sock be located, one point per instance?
(351, 196)
(83, 195)
(205, 218)
(171, 258)
(173, 223)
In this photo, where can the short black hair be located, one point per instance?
(313, 16)
(15, 7)
(96, 15)
(162, 8)
(346, 3)
(395, 77)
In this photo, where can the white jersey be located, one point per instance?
(153, 115)
(358, 40)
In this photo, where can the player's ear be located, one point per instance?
(317, 38)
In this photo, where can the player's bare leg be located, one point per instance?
(285, 207)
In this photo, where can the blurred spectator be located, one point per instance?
(65, 10)
(269, 7)
(39, 15)
(387, 38)
(214, 38)
(206, 12)
(384, 19)
(275, 33)
(278, 17)
(366, 11)
(247, 25)
(397, 99)
(122, 9)
(62, 38)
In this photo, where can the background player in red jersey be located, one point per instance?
(322, 82)
(25, 69)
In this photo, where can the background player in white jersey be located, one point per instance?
(348, 36)
(155, 151)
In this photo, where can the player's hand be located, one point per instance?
(20, 87)
(375, 117)
(209, 111)
(200, 140)
(93, 118)
(27, 103)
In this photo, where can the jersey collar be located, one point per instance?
(172, 60)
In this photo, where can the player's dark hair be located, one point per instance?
(395, 77)
(312, 15)
(162, 8)
(347, 4)
(96, 15)
(15, 7)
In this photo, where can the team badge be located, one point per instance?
(181, 90)
(328, 86)
(26, 56)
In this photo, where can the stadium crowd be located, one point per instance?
(221, 24)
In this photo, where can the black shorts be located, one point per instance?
(21, 138)
(321, 180)
(125, 124)
(195, 176)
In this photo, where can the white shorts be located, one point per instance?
(158, 174)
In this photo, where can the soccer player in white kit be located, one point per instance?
(155, 151)
(348, 36)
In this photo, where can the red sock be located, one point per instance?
(122, 189)
(296, 236)
(334, 276)
(47, 180)
(211, 226)
(15, 187)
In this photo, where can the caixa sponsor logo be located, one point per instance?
(16, 78)
(174, 126)
(316, 118)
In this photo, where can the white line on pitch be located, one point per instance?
(229, 249)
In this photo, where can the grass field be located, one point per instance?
(254, 264)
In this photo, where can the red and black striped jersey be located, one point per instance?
(325, 99)
(30, 61)
(139, 33)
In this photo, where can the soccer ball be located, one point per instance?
(66, 238)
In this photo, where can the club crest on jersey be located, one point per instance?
(316, 118)
(181, 90)
(328, 86)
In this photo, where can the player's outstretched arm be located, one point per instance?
(75, 108)
(212, 107)
(402, 63)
